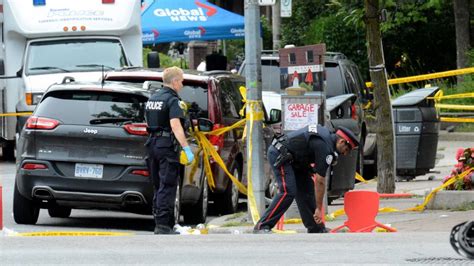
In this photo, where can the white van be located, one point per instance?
(46, 41)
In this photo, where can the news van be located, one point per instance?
(47, 41)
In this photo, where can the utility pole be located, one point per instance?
(253, 74)
(276, 21)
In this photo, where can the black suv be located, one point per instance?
(343, 77)
(83, 148)
(346, 93)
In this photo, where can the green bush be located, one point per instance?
(165, 61)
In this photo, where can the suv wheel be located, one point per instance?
(230, 200)
(197, 213)
(59, 212)
(177, 203)
(25, 211)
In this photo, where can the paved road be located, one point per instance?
(414, 246)
(244, 249)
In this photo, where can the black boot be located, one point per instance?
(164, 230)
(318, 229)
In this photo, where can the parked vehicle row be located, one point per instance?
(83, 146)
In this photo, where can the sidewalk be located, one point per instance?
(403, 221)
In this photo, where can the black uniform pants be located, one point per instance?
(163, 164)
(293, 183)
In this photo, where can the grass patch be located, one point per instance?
(231, 224)
(465, 207)
(235, 216)
(465, 127)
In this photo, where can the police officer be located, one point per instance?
(295, 158)
(165, 117)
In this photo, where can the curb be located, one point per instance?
(1, 208)
(455, 136)
(451, 200)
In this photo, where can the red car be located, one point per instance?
(213, 95)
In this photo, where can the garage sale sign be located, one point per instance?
(298, 115)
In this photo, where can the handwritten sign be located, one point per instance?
(298, 115)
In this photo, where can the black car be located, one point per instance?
(83, 148)
(342, 78)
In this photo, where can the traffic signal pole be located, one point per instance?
(255, 170)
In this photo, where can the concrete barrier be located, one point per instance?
(452, 200)
(1, 209)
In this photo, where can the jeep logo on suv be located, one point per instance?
(90, 131)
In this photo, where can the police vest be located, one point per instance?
(157, 110)
(298, 141)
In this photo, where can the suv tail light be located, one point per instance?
(34, 166)
(136, 129)
(35, 122)
(217, 141)
(353, 112)
(141, 172)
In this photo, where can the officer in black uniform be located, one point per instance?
(295, 158)
(166, 135)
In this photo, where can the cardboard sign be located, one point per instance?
(298, 115)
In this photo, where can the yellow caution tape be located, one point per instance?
(250, 197)
(388, 209)
(243, 92)
(439, 96)
(367, 106)
(254, 110)
(360, 178)
(17, 114)
(457, 119)
(421, 207)
(255, 113)
(292, 221)
(209, 151)
(455, 106)
(276, 231)
(438, 75)
(446, 184)
(73, 233)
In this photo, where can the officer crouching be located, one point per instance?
(166, 135)
(295, 158)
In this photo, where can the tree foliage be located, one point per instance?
(294, 29)
(418, 36)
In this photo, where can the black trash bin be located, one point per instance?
(416, 132)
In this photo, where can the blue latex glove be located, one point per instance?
(189, 153)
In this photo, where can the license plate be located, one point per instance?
(89, 170)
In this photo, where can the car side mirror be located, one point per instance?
(205, 124)
(275, 116)
(153, 60)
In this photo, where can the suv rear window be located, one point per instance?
(80, 107)
(335, 82)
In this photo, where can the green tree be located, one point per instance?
(295, 29)
(382, 105)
